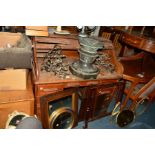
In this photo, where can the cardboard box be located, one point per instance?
(13, 79)
(15, 51)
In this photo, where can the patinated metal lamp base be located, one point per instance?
(83, 71)
(85, 68)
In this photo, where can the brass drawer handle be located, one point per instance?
(107, 98)
(104, 92)
(49, 89)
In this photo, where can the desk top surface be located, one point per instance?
(50, 78)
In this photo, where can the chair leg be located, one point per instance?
(120, 87)
(137, 102)
(133, 106)
(123, 105)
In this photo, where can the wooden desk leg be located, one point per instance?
(123, 105)
(120, 91)
(121, 54)
(37, 107)
(86, 118)
(88, 101)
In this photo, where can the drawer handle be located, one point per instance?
(49, 89)
(104, 92)
(107, 98)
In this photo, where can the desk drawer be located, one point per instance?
(48, 89)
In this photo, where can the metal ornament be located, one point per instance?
(84, 67)
(53, 62)
(104, 61)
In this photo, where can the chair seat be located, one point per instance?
(139, 69)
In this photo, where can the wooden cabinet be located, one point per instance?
(21, 101)
(86, 103)
(95, 101)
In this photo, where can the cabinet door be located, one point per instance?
(103, 99)
(59, 110)
(95, 101)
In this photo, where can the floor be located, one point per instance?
(143, 120)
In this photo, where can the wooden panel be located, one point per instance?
(64, 41)
(50, 46)
(41, 55)
(36, 33)
(40, 28)
(49, 42)
(42, 51)
(72, 36)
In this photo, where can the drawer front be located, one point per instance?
(48, 89)
(103, 99)
(96, 101)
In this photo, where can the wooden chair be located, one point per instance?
(106, 35)
(106, 32)
(113, 34)
(141, 99)
(139, 69)
(142, 93)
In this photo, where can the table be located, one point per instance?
(137, 64)
(139, 41)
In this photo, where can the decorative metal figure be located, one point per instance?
(53, 62)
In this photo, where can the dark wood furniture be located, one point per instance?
(138, 68)
(138, 41)
(95, 94)
(138, 36)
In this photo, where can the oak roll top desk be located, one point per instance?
(48, 84)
